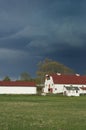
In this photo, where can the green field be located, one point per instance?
(51, 112)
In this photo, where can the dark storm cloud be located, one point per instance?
(31, 30)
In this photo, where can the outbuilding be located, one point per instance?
(71, 91)
(17, 87)
(54, 83)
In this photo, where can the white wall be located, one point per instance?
(48, 83)
(17, 90)
(58, 88)
(71, 92)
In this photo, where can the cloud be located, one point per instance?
(50, 21)
(31, 30)
(69, 33)
(9, 54)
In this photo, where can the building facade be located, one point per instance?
(55, 83)
(17, 87)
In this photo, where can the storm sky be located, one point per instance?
(32, 30)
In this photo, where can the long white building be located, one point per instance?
(17, 87)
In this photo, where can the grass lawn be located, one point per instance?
(25, 112)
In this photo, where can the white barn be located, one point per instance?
(55, 83)
(17, 87)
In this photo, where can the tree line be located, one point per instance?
(47, 66)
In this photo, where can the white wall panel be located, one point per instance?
(18, 90)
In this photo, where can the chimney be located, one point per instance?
(77, 74)
(58, 73)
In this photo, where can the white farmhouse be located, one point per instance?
(17, 87)
(60, 83)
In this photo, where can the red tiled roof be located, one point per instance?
(17, 83)
(68, 79)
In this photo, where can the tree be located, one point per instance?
(6, 78)
(49, 66)
(25, 76)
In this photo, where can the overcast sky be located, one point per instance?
(31, 30)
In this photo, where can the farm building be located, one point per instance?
(17, 87)
(55, 83)
(71, 91)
